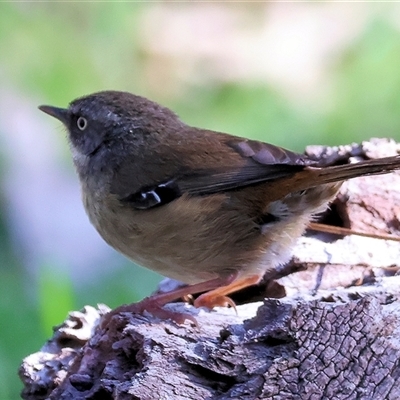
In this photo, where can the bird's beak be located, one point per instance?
(59, 113)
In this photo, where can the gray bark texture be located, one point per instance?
(327, 325)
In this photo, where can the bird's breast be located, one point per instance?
(191, 239)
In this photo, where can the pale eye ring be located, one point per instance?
(81, 123)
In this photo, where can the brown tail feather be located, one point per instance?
(348, 171)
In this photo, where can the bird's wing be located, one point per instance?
(260, 162)
(248, 163)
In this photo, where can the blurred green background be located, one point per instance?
(288, 73)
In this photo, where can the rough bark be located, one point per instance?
(333, 334)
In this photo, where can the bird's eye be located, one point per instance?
(81, 123)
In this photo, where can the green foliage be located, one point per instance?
(20, 331)
(126, 284)
(254, 111)
(367, 100)
(55, 295)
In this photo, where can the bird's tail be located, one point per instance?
(343, 172)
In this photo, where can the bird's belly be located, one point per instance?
(190, 240)
(194, 239)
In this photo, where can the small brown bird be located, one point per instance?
(213, 210)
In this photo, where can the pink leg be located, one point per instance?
(154, 304)
(218, 297)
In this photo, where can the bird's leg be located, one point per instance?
(218, 297)
(154, 304)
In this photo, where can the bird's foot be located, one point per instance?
(208, 300)
(154, 306)
(218, 297)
